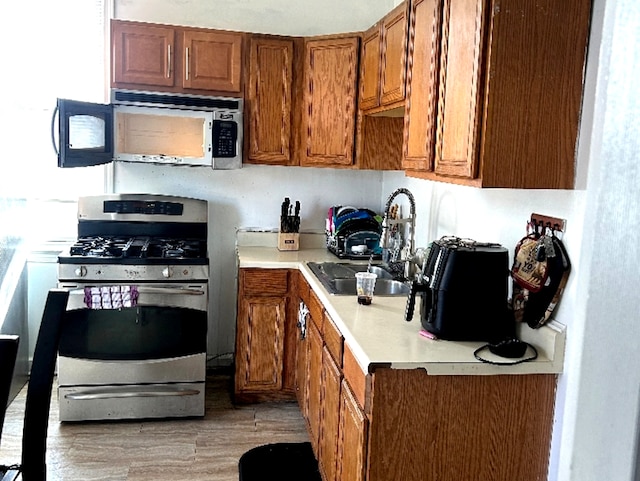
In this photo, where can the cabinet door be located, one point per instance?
(422, 83)
(269, 99)
(352, 438)
(314, 382)
(329, 416)
(302, 370)
(394, 56)
(459, 110)
(329, 105)
(302, 344)
(142, 54)
(260, 344)
(370, 69)
(212, 60)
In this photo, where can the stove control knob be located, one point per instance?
(81, 271)
(167, 272)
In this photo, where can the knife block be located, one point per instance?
(288, 241)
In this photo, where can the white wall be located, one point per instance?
(602, 408)
(594, 432)
(251, 196)
(284, 17)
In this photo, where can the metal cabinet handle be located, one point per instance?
(186, 63)
(169, 61)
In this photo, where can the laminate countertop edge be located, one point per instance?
(378, 334)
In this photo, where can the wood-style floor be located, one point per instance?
(190, 449)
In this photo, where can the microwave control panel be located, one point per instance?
(225, 137)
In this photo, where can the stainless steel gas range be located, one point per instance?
(133, 343)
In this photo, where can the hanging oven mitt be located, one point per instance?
(538, 284)
(530, 263)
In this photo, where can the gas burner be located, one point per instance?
(141, 230)
(140, 248)
(178, 248)
(93, 247)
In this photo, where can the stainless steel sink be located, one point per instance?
(384, 287)
(339, 278)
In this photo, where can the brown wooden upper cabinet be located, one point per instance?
(494, 91)
(330, 70)
(383, 61)
(269, 100)
(175, 59)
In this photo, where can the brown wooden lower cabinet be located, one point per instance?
(260, 368)
(302, 350)
(452, 428)
(266, 335)
(329, 416)
(314, 380)
(383, 424)
(302, 367)
(407, 425)
(352, 438)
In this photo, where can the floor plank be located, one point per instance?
(194, 449)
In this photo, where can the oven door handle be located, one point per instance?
(190, 291)
(188, 296)
(130, 392)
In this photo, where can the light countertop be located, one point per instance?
(378, 334)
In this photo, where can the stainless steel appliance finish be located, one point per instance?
(339, 278)
(150, 127)
(146, 359)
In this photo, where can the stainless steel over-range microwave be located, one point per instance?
(150, 127)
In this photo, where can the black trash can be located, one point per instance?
(279, 461)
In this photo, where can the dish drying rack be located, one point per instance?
(353, 233)
(341, 246)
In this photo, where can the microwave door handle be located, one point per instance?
(53, 130)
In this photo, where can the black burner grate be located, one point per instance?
(138, 248)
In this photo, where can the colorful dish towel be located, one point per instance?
(110, 297)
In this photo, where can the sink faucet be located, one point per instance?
(387, 223)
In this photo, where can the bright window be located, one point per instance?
(49, 49)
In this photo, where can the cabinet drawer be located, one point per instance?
(316, 310)
(264, 282)
(303, 289)
(333, 339)
(355, 377)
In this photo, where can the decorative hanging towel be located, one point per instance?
(540, 271)
(110, 297)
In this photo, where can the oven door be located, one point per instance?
(168, 321)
